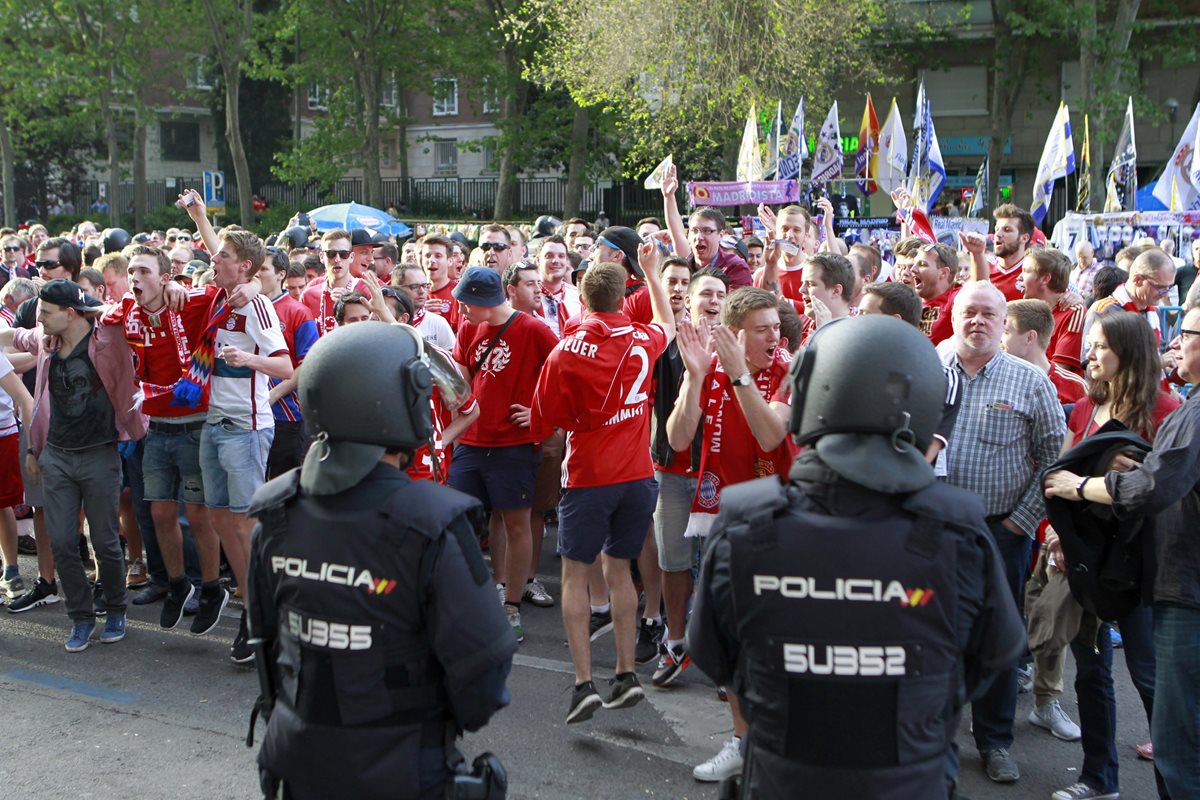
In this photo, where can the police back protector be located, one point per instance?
(849, 666)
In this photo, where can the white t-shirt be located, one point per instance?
(241, 394)
(8, 422)
(434, 328)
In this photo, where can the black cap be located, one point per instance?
(361, 237)
(627, 241)
(69, 294)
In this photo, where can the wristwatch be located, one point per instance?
(743, 380)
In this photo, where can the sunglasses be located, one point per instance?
(46, 263)
(339, 254)
(497, 246)
(13, 249)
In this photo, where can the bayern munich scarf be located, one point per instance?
(715, 472)
(190, 388)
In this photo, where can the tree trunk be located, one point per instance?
(139, 175)
(510, 165)
(233, 137)
(1100, 56)
(9, 174)
(576, 166)
(372, 177)
(114, 159)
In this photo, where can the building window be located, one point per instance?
(491, 158)
(180, 141)
(389, 96)
(445, 97)
(958, 91)
(196, 72)
(318, 97)
(445, 157)
(491, 97)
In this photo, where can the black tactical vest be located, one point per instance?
(850, 668)
(356, 683)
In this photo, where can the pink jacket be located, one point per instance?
(113, 359)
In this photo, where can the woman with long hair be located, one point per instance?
(1124, 376)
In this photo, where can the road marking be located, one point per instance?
(74, 687)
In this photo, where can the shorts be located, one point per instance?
(502, 478)
(12, 488)
(33, 489)
(233, 461)
(288, 448)
(611, 518)
(171, 463)
(675, 494)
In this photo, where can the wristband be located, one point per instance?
(1079, 488)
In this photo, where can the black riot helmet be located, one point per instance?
(545, 225)
(870, 392)
(292, 238)
(364, 389)
(114, 240)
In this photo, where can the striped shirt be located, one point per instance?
(1010, 426)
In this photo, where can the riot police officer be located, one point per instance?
(869, 599)
(379, 635)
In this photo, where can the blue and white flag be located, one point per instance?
(827, 161)
(1058, 161)
(928, 168)
(1182, 171)
(793, 149)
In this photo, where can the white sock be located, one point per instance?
(604, 609)
(673, 643)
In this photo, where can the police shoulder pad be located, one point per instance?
(948, 504)
(428, 508)
(275, 492)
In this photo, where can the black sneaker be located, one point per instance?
(172, 610)
(649, 635)
(624, 691)
(670, 664)
(600, 624)
(242, 652)
(211, 605)
(584, 702)
(42, 594)
(98, 604)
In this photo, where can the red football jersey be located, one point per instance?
(1070, 386)
(607, 364)
(1066, 342)
(936, 316)
(449, 308)
(505, 378)
(317, 299)
(1007, 281)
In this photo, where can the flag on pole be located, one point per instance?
(979, 197)
(771, 161)
(1083, 184)
(1181, 176)
(655, 179)
(866, 165)
(793, 148)
(928, 168)
(749, 163)
(1058, 161)
(827, 161)
(1120, 187)
(893, 152)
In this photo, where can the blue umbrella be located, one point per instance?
(355, 215)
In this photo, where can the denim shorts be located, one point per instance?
(233, 461)
(610, 518)
(171, 462)
(502, 478)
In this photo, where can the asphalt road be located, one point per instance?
(164, 713)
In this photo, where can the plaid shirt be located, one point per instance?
(1010, 426)
(1083, 279)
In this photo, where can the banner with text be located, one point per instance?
(736, 193)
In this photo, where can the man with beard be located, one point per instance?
(1012, 237)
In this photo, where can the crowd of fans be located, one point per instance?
(159, 392)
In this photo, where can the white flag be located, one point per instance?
(1182, 168)
(827, 161)
(893, 152)
(749, 163)
(1058, 161)
(655, 179)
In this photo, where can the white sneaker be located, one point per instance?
(1052, 717)
(722, 765)
(1081, 791)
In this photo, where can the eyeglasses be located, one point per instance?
(705, 231)
(47, 263)
(1158, 287)
(497, 246)
(13, 248)
(1185, 334)
(416, 287)
(339, 254)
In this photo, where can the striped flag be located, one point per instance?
(1120, 187)
(928, 170)
(1083, 185)
(1058, 161)
(865, 160)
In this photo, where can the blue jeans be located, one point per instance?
(992, 711)
(1097, 702)
(1176, 725)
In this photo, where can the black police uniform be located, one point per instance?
(853, 625)
(379, 625)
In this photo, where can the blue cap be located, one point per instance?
(480, 286)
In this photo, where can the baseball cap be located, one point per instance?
(626, 240)
(362, 237)
(480, 286)
(69, 294)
